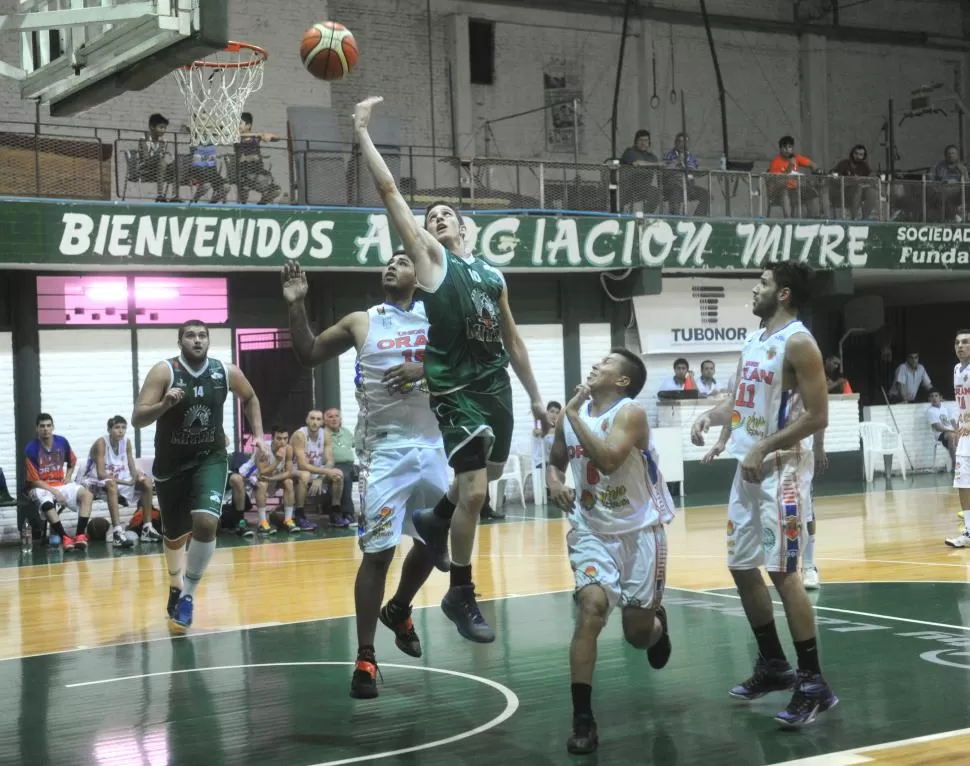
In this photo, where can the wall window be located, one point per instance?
(103, 300)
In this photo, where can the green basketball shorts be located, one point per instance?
(198, 489)
(482, 410)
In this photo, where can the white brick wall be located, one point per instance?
(761, 75)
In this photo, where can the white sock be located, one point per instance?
(175, 560)
(196, 562)
(287, 512)
(808, 557)
(262, 514)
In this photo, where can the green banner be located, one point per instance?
(68, 234)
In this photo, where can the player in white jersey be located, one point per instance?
(617, 544)
(403, 464)
(771, 491)
(111, 473)
(263, 478)
(311, 456)
(961, 463)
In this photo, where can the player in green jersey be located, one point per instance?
(183, 396)
(472, 339)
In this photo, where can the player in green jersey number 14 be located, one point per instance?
(472, 338)
(184, 397)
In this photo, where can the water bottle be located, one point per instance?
(26, 538)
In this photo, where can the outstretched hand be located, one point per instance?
(363, 110)
(294, 282)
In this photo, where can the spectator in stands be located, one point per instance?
(640, 185)
(861, 197)
(312, 455)
(679, 182)
(235, 501)
(204, 174)
(155, 161)
(708, 385)
(836, 382)
(264, 479)
(950, 174)
(253, 175)
(47, 485)
(942, 422)
(794, 195)
(111, 474)
(911, 377)
(679, 380)
(543, 436)
(343, 455)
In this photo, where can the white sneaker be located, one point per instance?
(961, 541)
(810, 578)
(149, 534)
(119, 538)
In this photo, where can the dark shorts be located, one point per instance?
(482, 410)
(194, 490)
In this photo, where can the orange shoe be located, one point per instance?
(67, 543)
(81, 542)
(363, 685)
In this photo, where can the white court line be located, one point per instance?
(854, 756)
(511, 701)
(853, 612)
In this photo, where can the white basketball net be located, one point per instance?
(216, 90)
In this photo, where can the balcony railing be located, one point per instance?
(114, 164)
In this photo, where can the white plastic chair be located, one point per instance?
(946, 452)
(880, 439)
(511, 475)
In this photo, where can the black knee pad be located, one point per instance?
(470, 457)
(48, 506)
(175, 525)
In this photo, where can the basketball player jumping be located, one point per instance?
(961, 463)
(472, 339)
(771, 490)
(402, 461)
(184, 397)
(617, 545)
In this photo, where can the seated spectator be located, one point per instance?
(46, 458)
(542, 443)
(343, 455)
(708, 385)
(263, 479)
(204, 174)
(111, 474)
(235, 501)
(910, 378)
(640, 185)
(679, 182)
(679, 380)
(861, 197)
(947, 199)
(253, 175)
(837, 384)
(794, 194)
(943, 423)
(311, 454)
(154, 158)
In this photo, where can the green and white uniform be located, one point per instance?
(465, 360)
(191, 463)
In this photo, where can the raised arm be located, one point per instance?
(519, 357)
(629, 429)
(311, 350)
(424, 250)
(155, 397)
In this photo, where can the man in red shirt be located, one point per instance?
(793, 194)
(47, 456)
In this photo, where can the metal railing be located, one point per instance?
(117, 163)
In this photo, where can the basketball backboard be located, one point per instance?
(75, 54)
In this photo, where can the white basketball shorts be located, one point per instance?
(765, 520)
(394, 483)
(42, 496)
(631, 568)
(961, 465)
(129, 492)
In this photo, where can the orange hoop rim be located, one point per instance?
(231, 47)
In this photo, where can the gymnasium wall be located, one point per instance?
(768, 77)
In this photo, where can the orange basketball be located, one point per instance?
(329, 50)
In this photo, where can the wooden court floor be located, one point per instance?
(89, 674)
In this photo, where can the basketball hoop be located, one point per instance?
(216, 90)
